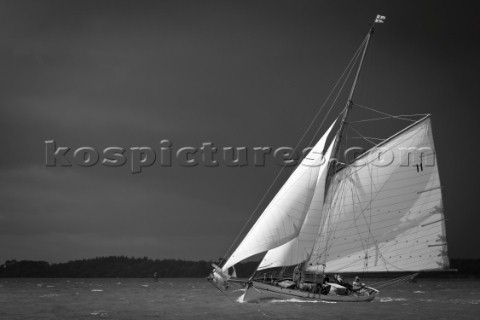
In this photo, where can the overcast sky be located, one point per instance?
(236, 73)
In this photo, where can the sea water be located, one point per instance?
(198, 299)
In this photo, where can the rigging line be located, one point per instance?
(395, 117)
(373, 198)
(398, 116)
(326, 226)
(334, 228)
(365, 138)
(356, 137)
(333, 103)
(350, 66)
(354, 58)
(345, 140)
(338, 95)
(367, 223)
(371, 169)
(370, 224)
(370, 119)
(354, 219)
(331, 227)
(413, 115)
(403, 187)
(354, 222)
(394, 281)
(393, 146)
(355, 170)
(384, 113)
(395, 137)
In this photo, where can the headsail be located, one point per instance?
(282, 219)
(299, 249)
(385, 210)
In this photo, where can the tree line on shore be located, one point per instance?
(116, 267)
(130, 267)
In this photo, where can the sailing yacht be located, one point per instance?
(381, 212)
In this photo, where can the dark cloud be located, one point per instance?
(124, 73)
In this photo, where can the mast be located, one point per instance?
(254, 242)
(331, 170)
(348, 107)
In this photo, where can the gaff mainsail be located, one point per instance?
(384, 211)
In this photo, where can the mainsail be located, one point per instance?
(284, 216)
(299, 248)
(384, 211)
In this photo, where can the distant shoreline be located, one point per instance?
(125, 267)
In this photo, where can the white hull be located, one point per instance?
(258, 291)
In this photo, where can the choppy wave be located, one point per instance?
(240, 299)
(51, 295)
(101, 314)
(302, 301)
(191, 297)
(389, 299)
(465, 301)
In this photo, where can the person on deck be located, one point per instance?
(325, 287)
(343, 283)
(326, 279)
(357, 285)
(298, 276)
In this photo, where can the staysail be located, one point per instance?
(282, 219)
(385, 210)
(299, 248)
